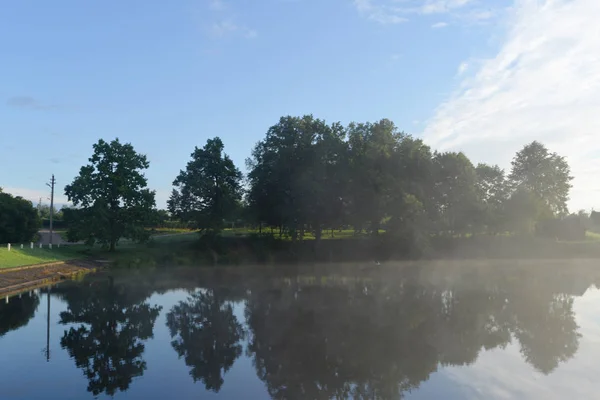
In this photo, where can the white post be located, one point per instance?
(40, 245)
(9, 247)
(21, 246)
(50, 246)
(58, 245)
(31, 245)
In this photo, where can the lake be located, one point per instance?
(504, 330)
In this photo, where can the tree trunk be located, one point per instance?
(318, 233)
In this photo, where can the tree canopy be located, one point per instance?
(209, 189)
(111, 196)
(19, 220)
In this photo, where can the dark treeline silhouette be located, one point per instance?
(311, 177)
(19, 220)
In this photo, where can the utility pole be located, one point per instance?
(51, 185)
(48, 327)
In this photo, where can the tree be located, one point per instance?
(209, 190)
(455, 192)
(108, 328)
(546, 175)
(19, 220)
(18, 312)
(112, 196)
(373, 178)
(493, 190)
(296, 175)
(207, 334)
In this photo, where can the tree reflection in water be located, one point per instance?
(379, 338)
(207, 335)
(367, 335)
(17, 312)
(114, 321)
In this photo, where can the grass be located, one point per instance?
(337, 234)
(18, 258)
(169, 231)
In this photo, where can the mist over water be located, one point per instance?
(470, 330)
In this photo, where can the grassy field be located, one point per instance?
(17, 257)
(337, 234)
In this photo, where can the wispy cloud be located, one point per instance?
(396, 11)
(225, 23)
(228, 27)
(217, 5)
(30, 103)
(462, 68)
(543, 84)
(380, 13)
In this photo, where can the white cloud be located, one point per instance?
(397, 11)
(383, 14)
(442, 6)
(217, 5)
(543, 84)
(228, 27)
(462, 68)
(439, 25)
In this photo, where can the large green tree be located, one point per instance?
(112, 196)
(373, 180)
(19, 220)
(209, 190)
(297, 175)
(493, 190)
(456, 192)
(544, 174)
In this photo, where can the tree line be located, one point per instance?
(310, 176)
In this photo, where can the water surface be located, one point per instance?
(497, 330)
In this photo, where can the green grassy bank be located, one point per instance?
(187, 249)
(18, 258)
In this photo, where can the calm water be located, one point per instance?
(427, 331)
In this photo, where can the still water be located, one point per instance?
(477, 331)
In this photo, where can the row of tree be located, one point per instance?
(308, 175)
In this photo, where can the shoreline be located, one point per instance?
(20, 279)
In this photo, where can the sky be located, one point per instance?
(480, 76)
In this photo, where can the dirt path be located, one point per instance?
(13, 280)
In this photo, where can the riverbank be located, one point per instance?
(190, 250)
(267, 250)
(19, 279)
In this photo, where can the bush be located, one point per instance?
(19, 220)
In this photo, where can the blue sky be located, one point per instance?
(166, 76)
